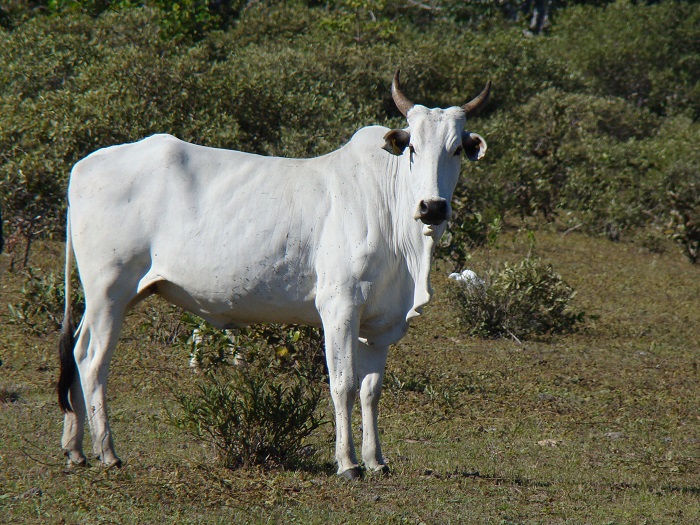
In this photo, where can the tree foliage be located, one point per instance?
(594, 124)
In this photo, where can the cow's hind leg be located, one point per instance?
(71, 397)
(74, 426)
(93, 353)
(371, 363)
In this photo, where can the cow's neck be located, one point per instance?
(408, 239)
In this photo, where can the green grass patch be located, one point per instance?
(597, 426)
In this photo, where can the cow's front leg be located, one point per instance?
(371, 362)
(340, 325)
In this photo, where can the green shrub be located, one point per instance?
(181, 18)
(683, 197)
(598, 163)
(209, 347)
(579, 152)
(669, 186)
(522, 300)
(54, 109)
(262, 410)
(467, 230)
(292, 346)
(252, 418)
(40, 310)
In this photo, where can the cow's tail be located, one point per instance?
(65, 347)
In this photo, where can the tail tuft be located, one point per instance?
(68, 366)
(66, 356)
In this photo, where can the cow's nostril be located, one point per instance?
(433, 211)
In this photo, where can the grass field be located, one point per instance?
(598, 427)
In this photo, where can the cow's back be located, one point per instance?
(227, 233)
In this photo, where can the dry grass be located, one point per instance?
(601, 426)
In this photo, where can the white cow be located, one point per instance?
(342, 241)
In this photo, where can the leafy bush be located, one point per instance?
(600, 164)
(674, 185)
(252, 417)
(683, 194)
(41, 309)
(518, 301)
(182, 18)
(294, 346)
(467, 230)
(258, 400)
(577, 152)
(648, 55)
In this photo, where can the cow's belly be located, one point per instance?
(384, 333)
(242, 300)
(229, 307)
(236, 310)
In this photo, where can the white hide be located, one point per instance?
(238, 238)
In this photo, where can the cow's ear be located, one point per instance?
(396, 141)
(474, 145)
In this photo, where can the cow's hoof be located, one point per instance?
(75, 460)
(381, 470)
(83, 463)
(115, 463)
(353, 474)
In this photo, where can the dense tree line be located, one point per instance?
(592, 124)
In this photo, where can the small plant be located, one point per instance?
(293, 346)
(163, 324)
(251, 417)
(258, 400)
(209, 348)
(684, 216)
(41, 309)
(521, 300)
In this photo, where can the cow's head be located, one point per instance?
(435, 140)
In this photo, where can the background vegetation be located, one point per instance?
(586, 409)
(594, 125)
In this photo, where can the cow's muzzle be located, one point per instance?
(432, 211)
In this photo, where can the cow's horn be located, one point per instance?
(400, 99)
(470, 108)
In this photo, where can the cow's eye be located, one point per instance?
(458, 151)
